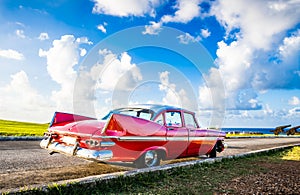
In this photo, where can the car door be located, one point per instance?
(177, 134)
(194, 141)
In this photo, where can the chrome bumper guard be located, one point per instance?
(100, 155)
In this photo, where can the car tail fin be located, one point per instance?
(113, 124)
(60, 117)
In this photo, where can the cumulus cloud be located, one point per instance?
(283, 71)
(294, 101)
(126, 8)
(205, 33)
(173, 96)
(211, 94)
(186, 10)
(187, 38)
(20, 101)
(61, 59)
(108, 82)
(255, 31)
(294, 111)
(11, 54)
(43, 36)
(82, 52)
(257, 21)
(116, 72)
(153, 28)
(101, 27)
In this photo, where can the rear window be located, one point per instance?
(136, 112)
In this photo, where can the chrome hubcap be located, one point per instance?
(151, 158)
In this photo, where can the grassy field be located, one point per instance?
(196, 179)
(13, 128)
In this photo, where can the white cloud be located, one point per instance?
(126, 8)
(84, 40)
(61, 59)
(283, 72)
(11, 54)
(294, 111)
(294, 101)
(172, 95)
(20, 34)
(101, 27)
(244, 62)
(116, 73)
(153, 29)
(258, 21)
(186, 10)
(267, 110)
(82, 52)
(43, 36)
(20, 101)
(205, 33)
(290, 46)
(211, 94)
(187, 38)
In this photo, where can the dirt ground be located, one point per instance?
(281, 178)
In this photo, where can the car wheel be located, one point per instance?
(213, 152)
(150, 158)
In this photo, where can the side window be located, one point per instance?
(160, 120)
(189, 120)
(173, 119)
(144, 115)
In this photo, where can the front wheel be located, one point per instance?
(150, 158)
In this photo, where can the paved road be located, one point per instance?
(22, 159)
(22, 156)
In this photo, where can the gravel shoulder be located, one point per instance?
(23, 163)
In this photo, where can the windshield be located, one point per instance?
(136, 112)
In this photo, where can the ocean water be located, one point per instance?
(250, 130)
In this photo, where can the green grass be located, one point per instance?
(196, 179)
(14, 128)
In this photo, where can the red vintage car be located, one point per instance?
(142, 134)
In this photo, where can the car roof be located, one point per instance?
(157, 108)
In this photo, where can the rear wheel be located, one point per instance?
(213, 152)
(150, 158)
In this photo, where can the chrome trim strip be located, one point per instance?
(107, 144)
(60, 132)
(141, 138)
(156, 138)
(148, 138)
(203, 138)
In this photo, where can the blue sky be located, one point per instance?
(236, 63)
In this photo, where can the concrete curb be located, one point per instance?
(20, 138)
(93, 179)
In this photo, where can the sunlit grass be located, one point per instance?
(247, 135)
(14, 128)
(293, 154)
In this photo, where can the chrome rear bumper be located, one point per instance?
(99, 155)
